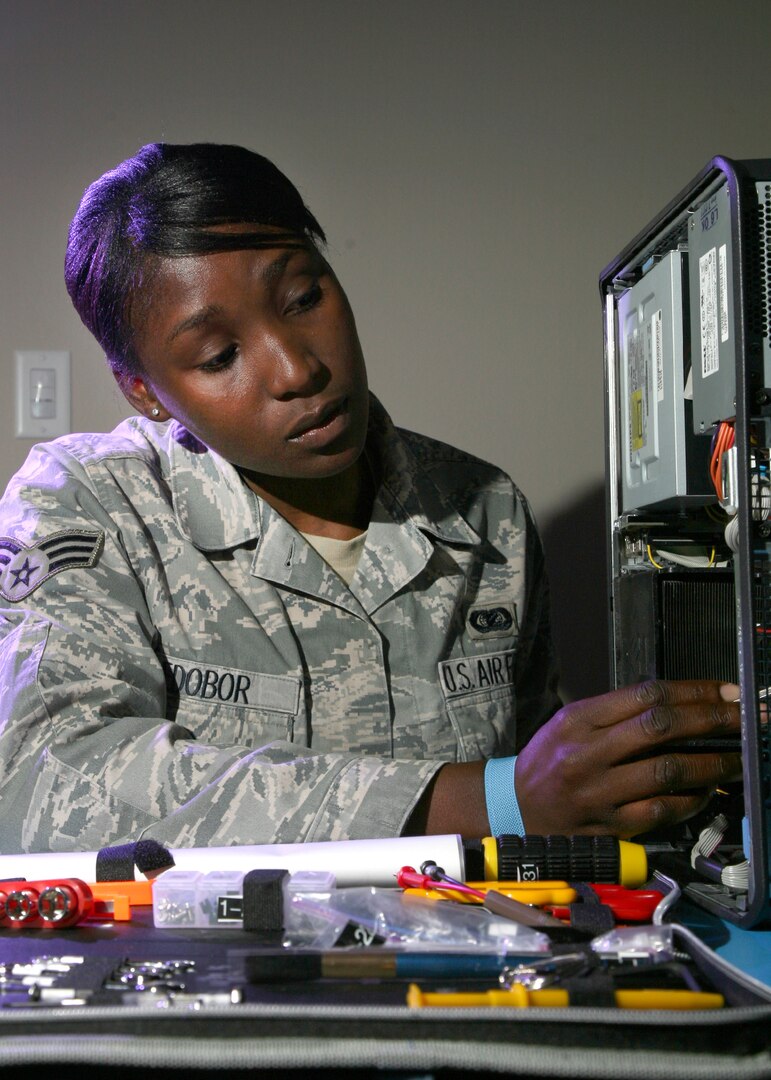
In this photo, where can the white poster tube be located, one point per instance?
(353, 862)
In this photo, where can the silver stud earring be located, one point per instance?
(155, 412)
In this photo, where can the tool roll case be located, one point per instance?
(132, 997)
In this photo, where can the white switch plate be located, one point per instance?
(42, 402)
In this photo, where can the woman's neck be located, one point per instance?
(335, 506)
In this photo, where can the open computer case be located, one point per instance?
(688, 422)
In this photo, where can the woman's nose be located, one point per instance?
(295, 370)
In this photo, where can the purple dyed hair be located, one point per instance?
(164, 201)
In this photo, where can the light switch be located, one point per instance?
(42, 394)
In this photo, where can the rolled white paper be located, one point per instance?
(353, 862)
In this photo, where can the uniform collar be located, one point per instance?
(217, 511)
(407, 492)
(214, 507)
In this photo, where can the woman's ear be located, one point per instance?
(140, 396)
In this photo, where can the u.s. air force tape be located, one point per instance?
(471, 674)
(23, 569)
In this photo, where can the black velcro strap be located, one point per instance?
(590, 915)
(591, 918)
(594, 989)
(585, 891)
(151, 857)
(117, 863)
(264, 899)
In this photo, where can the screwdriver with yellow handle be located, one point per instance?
(519, 997)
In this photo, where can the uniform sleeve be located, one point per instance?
(87, 756)
(537, 673)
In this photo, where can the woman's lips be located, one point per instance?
(321, 424)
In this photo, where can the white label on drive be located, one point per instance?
(723, 260)
(710, 358)
(657, 348)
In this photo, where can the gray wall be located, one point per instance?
(475, 165)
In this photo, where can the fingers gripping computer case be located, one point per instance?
(688, 381)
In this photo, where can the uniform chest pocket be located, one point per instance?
(226, 706)
(479, 694)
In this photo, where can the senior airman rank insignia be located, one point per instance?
(23, 569)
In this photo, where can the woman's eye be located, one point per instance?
(221, 360)
(308, 299)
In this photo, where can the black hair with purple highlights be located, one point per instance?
(166, 201)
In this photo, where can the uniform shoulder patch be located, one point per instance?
(23, 569)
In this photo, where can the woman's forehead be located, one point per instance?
(175, 289)
(175, 274)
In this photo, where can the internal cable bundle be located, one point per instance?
(722, 440)
(704, 859)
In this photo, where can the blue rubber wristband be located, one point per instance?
(501, 798)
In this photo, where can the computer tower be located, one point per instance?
(688, 425)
